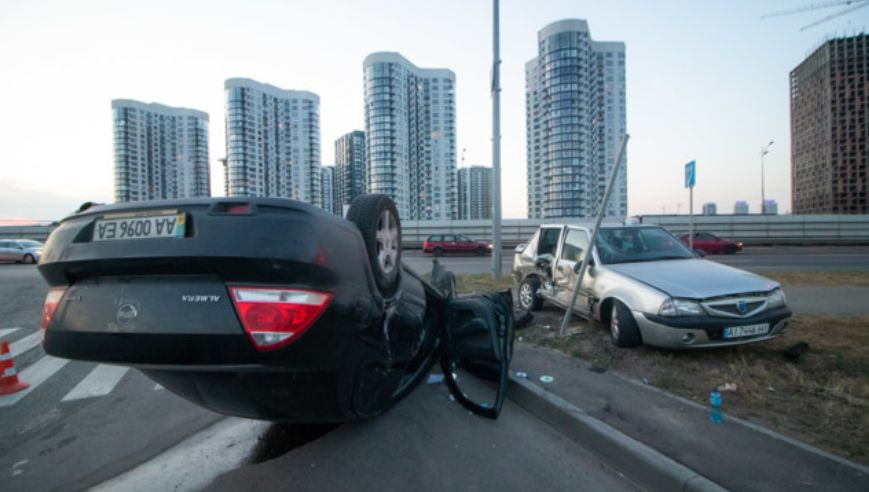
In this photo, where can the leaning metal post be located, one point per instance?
(600, 214)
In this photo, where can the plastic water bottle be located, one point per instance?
(715, 406)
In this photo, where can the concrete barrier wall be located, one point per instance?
(750, 229)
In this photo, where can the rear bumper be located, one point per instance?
(706, 331)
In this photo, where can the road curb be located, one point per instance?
(643, 464)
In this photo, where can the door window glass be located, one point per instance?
(548, 242)
(575, 245)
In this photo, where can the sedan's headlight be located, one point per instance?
(681, 307)
(775, 298)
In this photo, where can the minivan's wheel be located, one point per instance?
(528, 298)
(438, 251)
(377, 219)
(28, 258)
(623, 328)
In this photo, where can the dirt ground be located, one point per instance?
(821, 399)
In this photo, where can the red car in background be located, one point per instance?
(712, 244)
(439, 244)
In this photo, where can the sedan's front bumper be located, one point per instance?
(682, 332)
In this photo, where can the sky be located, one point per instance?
(706, 81)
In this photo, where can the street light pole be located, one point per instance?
(496, 144)
(763, 151)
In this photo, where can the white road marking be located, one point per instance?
(25, 344)
(36, 374)
(157, 387)
(195, 462)
(8, 331)
(101, 381)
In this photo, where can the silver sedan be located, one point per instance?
(20, 250)
(649, 288)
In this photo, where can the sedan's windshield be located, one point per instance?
(632, 244)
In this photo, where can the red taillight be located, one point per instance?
(274, 317)
(52, 299)
(238, 208)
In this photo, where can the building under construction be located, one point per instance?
(829, 131)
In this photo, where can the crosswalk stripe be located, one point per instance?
(101, 381)
(36, 374)
(8, 331)
(25, 344)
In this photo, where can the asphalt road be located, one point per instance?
(756, 259)
(82, 425)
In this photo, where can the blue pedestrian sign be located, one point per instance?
(690, 174)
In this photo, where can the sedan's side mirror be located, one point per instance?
(520, 248)
(700, 253)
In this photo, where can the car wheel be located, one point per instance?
(480, 251)
(528, 298)
(438, 252)
(377, 219)
(28, 258)
(731, 250)
(623, 328)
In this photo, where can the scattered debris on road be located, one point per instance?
(546, 379)
(435, 379)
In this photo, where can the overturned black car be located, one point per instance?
(268, 308)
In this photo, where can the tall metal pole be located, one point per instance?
(600, 213)
(763, 151)
(496, 144)
(691, 218)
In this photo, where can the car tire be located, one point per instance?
(377, 219)
(623, 328)
(480, 251)
(731, 250)
(528, 298)
(28, 259)
(438, 252)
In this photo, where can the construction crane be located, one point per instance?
(850, 6)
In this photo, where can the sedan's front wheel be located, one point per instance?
(528, 298)
(623, 328)
(28, 258)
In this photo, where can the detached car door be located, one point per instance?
(477, 350)
(476, 344)
(570, 257)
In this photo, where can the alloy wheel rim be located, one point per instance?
(525, 295)
(387, 242)
(614, 323)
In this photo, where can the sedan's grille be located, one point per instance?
(735, 307)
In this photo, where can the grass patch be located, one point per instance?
(819, 278)
(483, 282)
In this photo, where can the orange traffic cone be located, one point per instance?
(9, 382)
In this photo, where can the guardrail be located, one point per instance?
(36, 232)
(750, 229)
(773, 229)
